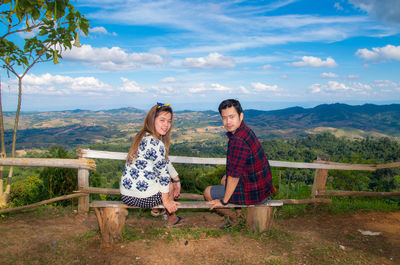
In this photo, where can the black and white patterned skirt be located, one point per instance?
(148, 202)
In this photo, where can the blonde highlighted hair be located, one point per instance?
(148, 127)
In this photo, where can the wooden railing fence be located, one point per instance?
(85, 163)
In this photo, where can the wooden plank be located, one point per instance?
(49, 162)
(87, 153)
(183, 205)
(65, 197)
(356, 193)
(306, 201)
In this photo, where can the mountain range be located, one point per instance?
(80, 127)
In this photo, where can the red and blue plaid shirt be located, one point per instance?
(246, 160)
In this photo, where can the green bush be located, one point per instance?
(26, 191)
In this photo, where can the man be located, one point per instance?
(248, 178)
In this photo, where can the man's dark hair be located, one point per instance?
(227, 103)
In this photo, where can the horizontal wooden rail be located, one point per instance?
(87, 153)
(64, 197)
(49, 162)
(306, 201)
(356, 193)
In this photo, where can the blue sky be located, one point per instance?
(193, 54)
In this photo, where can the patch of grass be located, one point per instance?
(85, 238)
(40, 212)
(170, 234)
(273, 262)
(289, 211)
(131, 235)
(340, 205)
(280, 235)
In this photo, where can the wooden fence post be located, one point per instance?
(320, 177)
(83, 183)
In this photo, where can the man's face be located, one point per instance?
(231, 119)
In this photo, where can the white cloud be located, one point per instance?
(112, 59)
(101, 30)
(165, 90)
(244, 90)
(357, 86)
(98, 30)
(385, 83)
(260, 87)
(386, 10)
(389, 52)
(352, 77)
(328, 75)
(315, 62)
(335, 86)
(211, 61)
(316, 88)
(168, 80)
(267, 66)
(61, 85)
(209, 88)
(130, 86)
(338, 6)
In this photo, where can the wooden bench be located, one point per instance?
(111, 216)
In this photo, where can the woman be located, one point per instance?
(145, 181)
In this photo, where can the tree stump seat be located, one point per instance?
(111, 216)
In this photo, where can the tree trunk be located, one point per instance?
(3, 199)
(14, 140)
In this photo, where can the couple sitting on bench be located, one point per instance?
(149, 179)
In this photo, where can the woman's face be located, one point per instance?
(162, 123)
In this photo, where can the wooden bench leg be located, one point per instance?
(111, 222)
(260, 218)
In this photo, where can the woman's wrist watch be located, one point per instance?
(175, 181)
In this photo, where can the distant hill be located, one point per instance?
(297, 121)
(79, 127)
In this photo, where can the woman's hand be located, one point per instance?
(177, 189)
(171, 206)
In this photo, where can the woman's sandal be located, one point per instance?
(177, 223)
(158, 212)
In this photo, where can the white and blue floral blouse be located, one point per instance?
(150, 173)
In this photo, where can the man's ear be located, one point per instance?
(241, 117)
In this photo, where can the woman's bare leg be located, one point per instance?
(172, 218)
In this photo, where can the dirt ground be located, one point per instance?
(68, 238)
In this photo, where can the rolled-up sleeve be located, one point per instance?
(238, 152)
(172, 171)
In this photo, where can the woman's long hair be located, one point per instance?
(148, 127)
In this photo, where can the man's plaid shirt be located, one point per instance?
(246, 160)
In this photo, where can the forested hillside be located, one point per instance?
(31, 184)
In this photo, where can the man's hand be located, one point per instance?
(215, 203)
